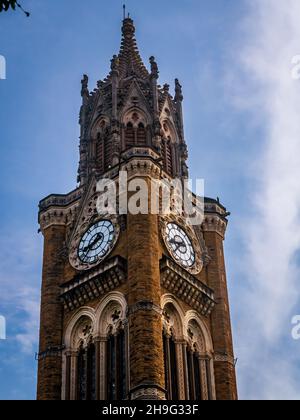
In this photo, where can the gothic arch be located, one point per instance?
(199, 354)
(83, 314)
(173, 316)
(135, 115)
(136, 128)
(169, 147)
(168, 130)
(192, 319)
(101, 144)
(99, 126)
(113, 304)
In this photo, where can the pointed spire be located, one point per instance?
(129, 59)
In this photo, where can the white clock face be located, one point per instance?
(180, 245)
(97, 241)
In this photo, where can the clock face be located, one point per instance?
(97, 242)
(180, 245)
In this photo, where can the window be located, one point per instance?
(194, 375)
(129, 136)
(116, 367)
(167, 155)
(81, 375)
(86, 373)
(141, 135)
(170, 363)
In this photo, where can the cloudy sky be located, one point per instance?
(242, 106)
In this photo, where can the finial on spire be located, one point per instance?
(154, 67)
(128, 28)
(115, 63)
(178, 91)
(84, 84)
(124, 11)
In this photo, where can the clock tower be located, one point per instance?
(134, 302)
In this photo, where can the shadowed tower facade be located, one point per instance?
(133, 306)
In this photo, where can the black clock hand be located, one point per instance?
(178, 244)
(91, 245)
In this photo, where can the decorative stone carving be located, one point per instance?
(219, 357)
(154, 68)
(215, 223)
(144, 306)
(148, 394)
(178, 91)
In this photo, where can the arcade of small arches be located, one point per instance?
(136, 132)
(96, 355)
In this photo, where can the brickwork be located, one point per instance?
(49, 372)
(142, 129)
(145, 328)
(220, 319)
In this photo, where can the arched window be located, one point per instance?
(91, 372)
(86, 373)
(116, 366)
(81, 375)
(95, 359)
(101, 152)
(194, 375)
(129, 136)
(170, 363)
(135, 130)
(167, 155)
(141, 135)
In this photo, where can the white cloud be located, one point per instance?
(20, 261)
(270, 39)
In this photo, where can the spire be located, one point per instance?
(129, 60)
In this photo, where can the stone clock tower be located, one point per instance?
(134, 305)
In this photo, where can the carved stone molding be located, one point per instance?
(94, 284)
(219, 357)
(148, 392)
(143, 167)
(215, 223)
(144, 306)
(186, 287)
(59, 209)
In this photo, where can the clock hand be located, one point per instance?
(91, 245)
(178, 244)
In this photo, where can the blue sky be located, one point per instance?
(242, 125)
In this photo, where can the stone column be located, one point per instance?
(145, 325)
(214, 228)
(203, 377)
(74, 375)
(67, 381)
(180, 370)
(102, 368)
(50, 351)
(186, 372)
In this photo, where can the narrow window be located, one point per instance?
(116, 367)
(141, 135)
(129, 136)
(198, 393)
(170, 363)
(91, 373)
(82, 375)
(173, 370)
